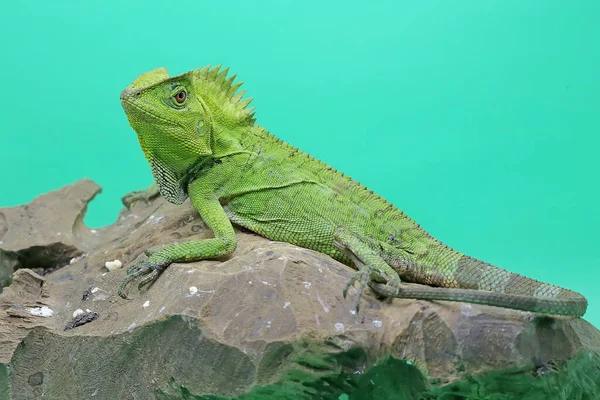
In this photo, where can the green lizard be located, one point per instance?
(201, 141)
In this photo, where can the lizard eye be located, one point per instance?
(180, 97)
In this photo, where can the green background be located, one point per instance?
(480, 119)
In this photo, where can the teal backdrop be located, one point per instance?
(480, 119)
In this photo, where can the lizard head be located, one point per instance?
(183, 119)
(173, 126)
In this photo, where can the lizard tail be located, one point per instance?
(574, 306)
(475, 281)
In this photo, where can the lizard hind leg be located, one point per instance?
(370, 265)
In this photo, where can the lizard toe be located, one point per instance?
(148, 268)
(149, 279)
(363, 275)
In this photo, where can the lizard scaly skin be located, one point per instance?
(201, 141)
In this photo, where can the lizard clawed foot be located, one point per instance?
(149, 268)
(362, 275)
(389, 289)
(131, 198)
(140, 195)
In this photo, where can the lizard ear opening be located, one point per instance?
(204, 125)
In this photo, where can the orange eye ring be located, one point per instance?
(180, 97)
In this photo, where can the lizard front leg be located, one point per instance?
(223, 243)
(370, 265)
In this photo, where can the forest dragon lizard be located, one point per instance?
(201, 141)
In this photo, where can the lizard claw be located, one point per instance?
(151, 277)
(140, 195)
(149, 268)
(131, 198)
(391, 287)
(362, 275)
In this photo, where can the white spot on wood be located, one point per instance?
(154, 219)
(322, 303)
(162, 309)
(193, 290)
(205, 291)
(79, 257)
(99, 294)
(376, 324)
(113, 265)
(286, 304)
(77, 312)
(339, 327)
(42, 311)
(146, 304)
(467, 310)
(307, 285)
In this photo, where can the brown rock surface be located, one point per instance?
(267, 322)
